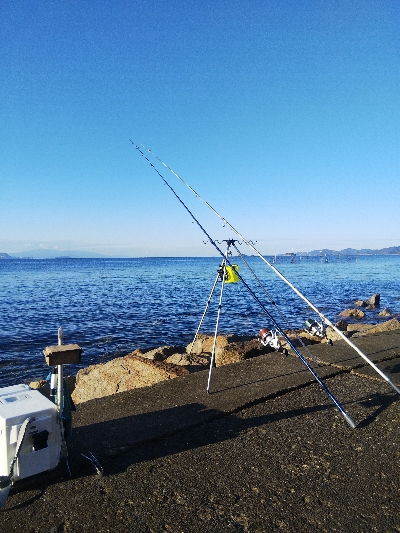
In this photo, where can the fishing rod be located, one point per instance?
(279, 274)
(342, 411)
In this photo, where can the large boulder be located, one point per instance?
(332, 335)
(122, 374)
(204, 343)
(351, 328)
(194, 360)
(41, 386)
(161, 353)
(375, 300)
(353, 313)
(385, 312)
(228, 348)
(389, 325)
(239, 351)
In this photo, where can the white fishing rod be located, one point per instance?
(301, 295)
(343, 412)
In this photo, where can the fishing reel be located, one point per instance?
(269, 338)
(315, 328)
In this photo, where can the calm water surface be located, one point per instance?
(113, 306)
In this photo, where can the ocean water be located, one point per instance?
(112, 306)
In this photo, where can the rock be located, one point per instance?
(36, 385)
(389, 325)
(159, 354)
(354, 313)
(298, 338)
(361, 303)
(306, 337)
(122, 374)
(239, 351)
(342, 325)
(359, 327)
(42, 386)
(184, 359)
(332, 335)
(375, 300)
(385, 312)
(204, 343)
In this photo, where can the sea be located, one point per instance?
(111, 307)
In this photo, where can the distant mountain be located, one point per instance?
(393, 250)
(4, 256)
(53, 254)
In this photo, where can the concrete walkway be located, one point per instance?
(117, 423)
(230, 462)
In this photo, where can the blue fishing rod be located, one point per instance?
(341, 409)
(300, 294)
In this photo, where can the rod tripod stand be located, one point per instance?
(225, 276)
(232, 271)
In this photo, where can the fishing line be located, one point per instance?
(301, 295)
(345, 415)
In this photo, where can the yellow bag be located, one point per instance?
(230, 274)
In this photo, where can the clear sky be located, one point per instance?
(283, 114)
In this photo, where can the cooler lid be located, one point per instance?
(21, 401)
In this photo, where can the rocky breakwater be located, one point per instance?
(143, 368)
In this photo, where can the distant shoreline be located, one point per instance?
(303, 255)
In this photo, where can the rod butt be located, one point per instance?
(395, 387)
(349, 420)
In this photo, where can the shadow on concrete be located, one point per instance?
(28, 501)
(215, 389)
(121, 443)
(380, 402)
(148, 433)
(153, 432)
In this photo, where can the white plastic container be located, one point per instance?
(41, 447)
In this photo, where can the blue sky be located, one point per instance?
(284, 115)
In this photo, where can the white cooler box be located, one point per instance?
(41, 448)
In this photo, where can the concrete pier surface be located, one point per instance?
(265, 451)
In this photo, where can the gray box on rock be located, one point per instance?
(65, 354)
